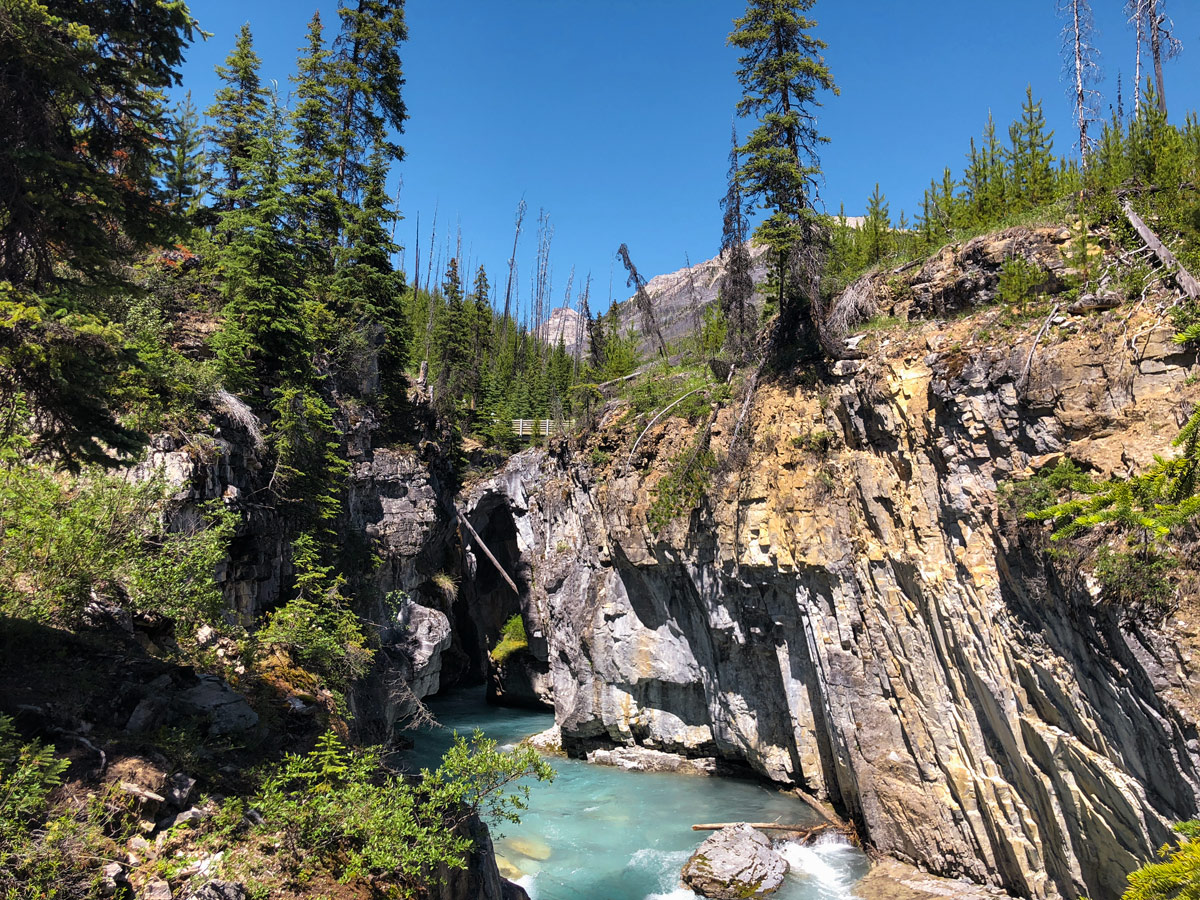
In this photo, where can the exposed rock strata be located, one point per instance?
(858, 623)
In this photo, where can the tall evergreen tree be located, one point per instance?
(365, 79)
(367, 290)
(482, 325)
(82, 119)
(1032, 153)
(262, 341)
(237, 116)
(452, 355)
(318, 216)
(782, 72)
(183, 162)
(737, 283)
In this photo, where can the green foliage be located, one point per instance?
(316, 626)
(1020, 281)
(682, 488)
(819, 442)
(512, 639)
(79, 195)
(69, 541)
(1135, 581)
(337, 810)
(28, 773)
(782, 72)
(1177, 876)
(309, 467)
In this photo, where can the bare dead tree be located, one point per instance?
(541, 290)
(1082, 66)
(512, 272)
(737, 284)
(641, 300)
(585, 318)
(693, 297)
(1155, 31)
(1163, 46)
(1135, 10)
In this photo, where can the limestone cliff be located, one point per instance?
(849, 611)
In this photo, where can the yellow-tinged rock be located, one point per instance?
(529, 847)
(508, 869)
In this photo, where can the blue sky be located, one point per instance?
(615, 116)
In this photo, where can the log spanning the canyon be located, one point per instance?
(488, 553)
(1190, 286)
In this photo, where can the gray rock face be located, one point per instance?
(857, 621)
(424, 634)
(734, 864)
(226, 710)
(643, 759)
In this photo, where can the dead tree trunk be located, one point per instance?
(1190, 286)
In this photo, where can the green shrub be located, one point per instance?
(681, 489)
(512, 639)
(338, 811)
(1020, 281)
(317, 626)
(1137, 581)
(819, 442)
(67, 541)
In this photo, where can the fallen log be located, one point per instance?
(486, 552)
(1190, 285)
(766, 826)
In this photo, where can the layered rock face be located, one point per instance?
(848, 612)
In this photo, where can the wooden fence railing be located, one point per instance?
(527, 428)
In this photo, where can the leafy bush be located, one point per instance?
(337, 810)
(67, 541)
(28, 773)
(1136, 581)
(512, 639)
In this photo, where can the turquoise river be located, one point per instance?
(599, 833)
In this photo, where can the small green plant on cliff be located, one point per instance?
(512, 639)
(339, 811)
(1177, 876)
(1020, 281)
(819, 441)
(681, 489)
(316, 625)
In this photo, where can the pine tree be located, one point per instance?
(452, 355)
(877, 229)
(237, 117)
(737, 284)
(367, 290)
(482, 325)
(781, 72)
(1032, 154)
(365, 79)
(77, 201)
(262, 340)
(183, 161)
(318, 216)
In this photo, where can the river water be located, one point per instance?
(600, 833)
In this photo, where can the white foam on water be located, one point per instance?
(821, 864)
(529, 883)
(677, 894)
(665, 865)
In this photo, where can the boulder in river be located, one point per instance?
(735, 863)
